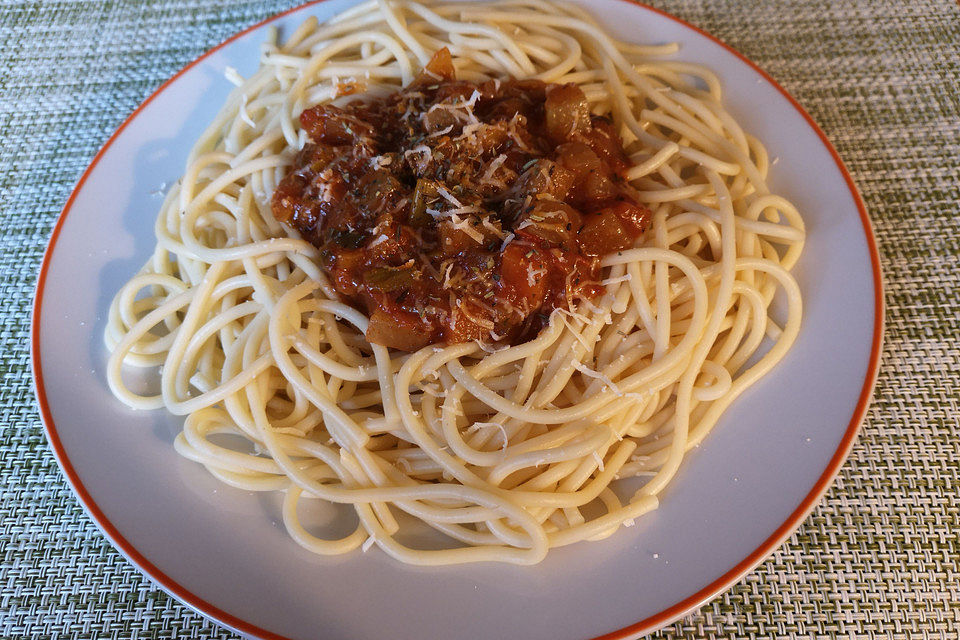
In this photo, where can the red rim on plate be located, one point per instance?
(644, 626)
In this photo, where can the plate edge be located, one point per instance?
(640, 628)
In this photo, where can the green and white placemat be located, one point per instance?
(879, 558)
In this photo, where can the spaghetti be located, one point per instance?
(507, 451)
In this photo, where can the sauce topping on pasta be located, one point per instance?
(452, 211)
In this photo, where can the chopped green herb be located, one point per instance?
(347, 239)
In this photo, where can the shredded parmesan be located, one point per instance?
(516, 136)
(467, 228)
(483, 322)
(441, 132)
(576, 334)
(577, 316)
(487, 177)
(533, 274)
(587, 371)
(476, 426)
(470, 131)
(449, 197)
(609, 281)
(493, 228)
(461, 110)
(429, 268)
(419, 150)
(452, 213)
(381, 161)
(446, 276)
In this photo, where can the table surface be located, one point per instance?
(879, 557)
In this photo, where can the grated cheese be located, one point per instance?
(487, 177)
(533, 274)
(449, 197)
(446, 276)
(451, 213)
(493, 229)
(442, 132)
(483, 322)
(476, 426)
(468, 229)
(381, 161)
(609, 281)
(419, 150)
(587, 371)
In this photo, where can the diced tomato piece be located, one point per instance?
(567, 112)
(521, 276)
(593, 181)
(552, 221)
(315, 156)
(505, 109)
(454, 240)
(548, 177)
(332, 126)
(463, 329)
(287, 197)
(345, 270)
(398, 329)
(635, 216)
(441, 64)
(380, 190)
(605, 142)
(604, 232)
(613, 228)
(438, 120)
(535, 90)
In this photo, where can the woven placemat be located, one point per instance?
(879, 558)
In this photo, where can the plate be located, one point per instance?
(225, 553)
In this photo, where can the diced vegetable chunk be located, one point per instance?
(440, 66)
(398, 329)
(521, 276)
(552, 221)
(567, 112)
(331, 125)
(613, 228)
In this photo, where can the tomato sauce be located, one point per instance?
(451, 211)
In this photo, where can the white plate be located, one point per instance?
(224, 551)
